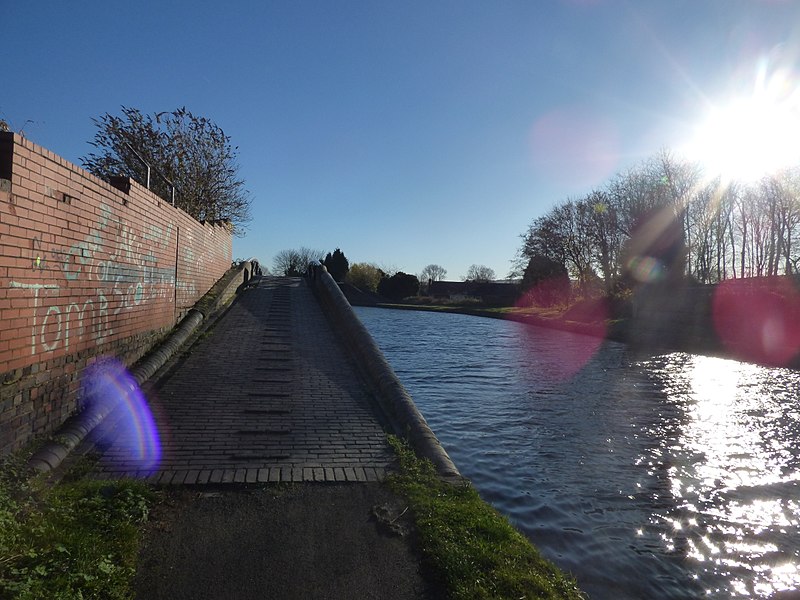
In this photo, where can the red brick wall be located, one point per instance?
(85, 270)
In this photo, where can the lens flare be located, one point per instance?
(554, 354)
(758, 319)
(547, 292)
(646, 269)
(107, 385)
(752, 132)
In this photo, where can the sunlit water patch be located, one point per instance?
(733, 474)
(672, 476)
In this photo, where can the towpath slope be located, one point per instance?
(272, 457)
(269, 396)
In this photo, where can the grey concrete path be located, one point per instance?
(267, 396)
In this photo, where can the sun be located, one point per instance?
(747, 137)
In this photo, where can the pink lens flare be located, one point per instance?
(758, 319)
(545, 293)
(552, 352)
(107, 384)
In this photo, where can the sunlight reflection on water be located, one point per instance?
(674, 476)
(737, 498)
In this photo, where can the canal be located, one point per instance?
(666, 476)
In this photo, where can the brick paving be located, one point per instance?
(268, 396)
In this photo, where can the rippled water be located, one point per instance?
(673, 476)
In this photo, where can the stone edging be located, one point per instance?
(394, 400)
(76, 428)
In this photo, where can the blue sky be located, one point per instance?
(404, 133)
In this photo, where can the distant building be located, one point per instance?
(492, 293)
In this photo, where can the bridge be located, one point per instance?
(268, 396)
(285, 385)
(273, 392)
(282, 389)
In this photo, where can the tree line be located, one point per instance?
(664, 218)
(365, 276)
(368, 277)
(660, 218)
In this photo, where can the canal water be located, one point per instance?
(667, 476)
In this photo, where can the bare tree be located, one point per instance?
(705, 211)
(780, 190)
(564, 235)
(432, 273)
(709, 230)
(294, 263)
(679, 179)
(479, 273)
(190, 152)
(605, 235)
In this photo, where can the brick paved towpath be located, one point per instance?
(267, 396)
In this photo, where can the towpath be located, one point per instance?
(268, 396)
(272, 458)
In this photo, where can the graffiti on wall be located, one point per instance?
(114, 269)
(190, 263)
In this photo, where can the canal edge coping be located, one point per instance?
(394, 400)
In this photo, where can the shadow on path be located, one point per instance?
(291, 542)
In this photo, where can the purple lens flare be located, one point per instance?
(107, 385)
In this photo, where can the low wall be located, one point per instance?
(76, 428)
(394, 400)
(87, 269)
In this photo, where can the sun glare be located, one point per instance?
(748, 137)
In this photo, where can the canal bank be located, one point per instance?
(752, 321)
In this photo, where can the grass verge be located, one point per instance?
(475, 551)
(78, 539)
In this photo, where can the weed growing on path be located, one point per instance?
(79, 539)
